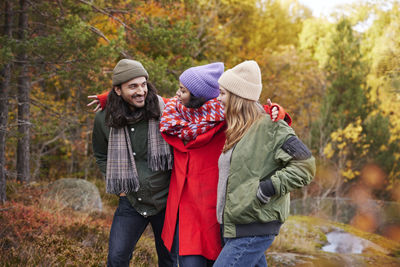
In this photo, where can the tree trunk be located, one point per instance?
(23, 153)
(5, 76)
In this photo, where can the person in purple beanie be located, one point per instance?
(193, 124)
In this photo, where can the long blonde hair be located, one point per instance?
(240, 115)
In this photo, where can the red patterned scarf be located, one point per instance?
(188, 123)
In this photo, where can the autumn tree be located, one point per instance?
(70, 59)
(163, 38)
(293, 79)
(351, 130)
(381, 49)
(232, 31)
(60, 61)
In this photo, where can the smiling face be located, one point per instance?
(134, 92)
(183, 94)
(223, 96)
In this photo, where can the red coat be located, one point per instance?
(193, 192)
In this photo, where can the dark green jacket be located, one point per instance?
(152, 195)
(264, 153)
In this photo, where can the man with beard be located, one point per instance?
(135, 160)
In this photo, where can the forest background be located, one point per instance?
(338, 77)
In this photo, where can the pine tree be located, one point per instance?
(345, 98)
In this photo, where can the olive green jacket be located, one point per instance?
(153, 192)
(263, 153)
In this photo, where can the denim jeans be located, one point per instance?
(244, 251)
(127, 227)
(189, 260)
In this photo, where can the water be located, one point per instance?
(385, 213)
(344, 243)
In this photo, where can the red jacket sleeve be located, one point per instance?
(282, 115)
(103, 99)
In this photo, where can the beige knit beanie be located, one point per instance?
(126, 70)
(243, 80)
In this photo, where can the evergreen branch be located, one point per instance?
(107, 14)
(98, 32)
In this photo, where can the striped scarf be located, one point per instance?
(188, 123)
(121, 174)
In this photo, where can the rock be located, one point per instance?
(288, 259)
(77, 194)
(305, 241)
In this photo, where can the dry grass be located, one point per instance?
(35, 233)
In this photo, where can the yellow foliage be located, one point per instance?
(334, 135)
(366, 146)
(383, 148)
(341, 145)
(106, 25)
(343, 142)
(174, 11)
(328, 151)
(348, 173)
(349, 135)
(352, 132)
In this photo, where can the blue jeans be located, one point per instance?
(127, 227)
(244, 251)
(189, 260)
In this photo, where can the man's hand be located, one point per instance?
(274, 110)
(95, 101)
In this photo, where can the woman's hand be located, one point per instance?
(95, 101)
(274, 110)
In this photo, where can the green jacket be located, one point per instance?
(153, 192)
(265, 152)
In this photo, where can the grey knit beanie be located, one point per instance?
(126, 70)
(243, 80)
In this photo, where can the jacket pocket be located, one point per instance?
(158, 183)
(276, 209)
(242, 205)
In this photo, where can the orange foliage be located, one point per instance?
(31, 235)
(36, 232)
(373, 176)
(174, 12)
(365, 221)
(359, 195)
(23, 221)
(392, 232)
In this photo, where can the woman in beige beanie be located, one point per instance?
(260, 164)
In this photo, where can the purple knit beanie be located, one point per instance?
(202, 81)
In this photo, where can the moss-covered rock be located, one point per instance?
(302, 238)
(77, 194)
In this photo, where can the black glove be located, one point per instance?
(265, 191)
